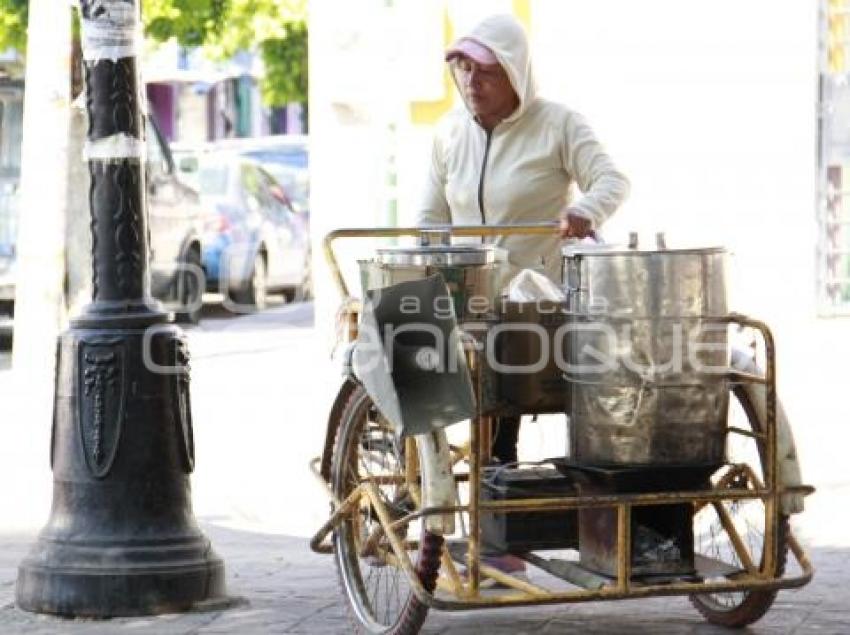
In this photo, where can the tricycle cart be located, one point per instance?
(673, 480)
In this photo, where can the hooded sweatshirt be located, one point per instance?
(521, 171)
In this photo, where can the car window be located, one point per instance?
(156, 162)
(11, 120)
(277, 193)
(256, 198)
(294, 156)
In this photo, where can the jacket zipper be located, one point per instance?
(481, 180)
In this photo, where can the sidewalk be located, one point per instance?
(285, 588)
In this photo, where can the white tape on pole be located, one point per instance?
(114, 147)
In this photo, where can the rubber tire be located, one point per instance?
(306, 290)
(413, 614)
(303, 291)
(186, 289)
(254, 293)
(755, 603)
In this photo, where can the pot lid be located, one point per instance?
(440, 255)
(571, 251)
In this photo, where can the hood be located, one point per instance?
(506, 38)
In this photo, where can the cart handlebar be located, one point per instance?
(528, 229)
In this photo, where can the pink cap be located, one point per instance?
(477, 52)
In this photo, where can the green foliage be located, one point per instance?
(276, 29)
(285, 60)
(190, 22)
(13, 24)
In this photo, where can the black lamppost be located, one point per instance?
(121, 538)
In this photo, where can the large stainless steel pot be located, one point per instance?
(471, 273)
(647, 363)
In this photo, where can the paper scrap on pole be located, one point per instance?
(109, 29)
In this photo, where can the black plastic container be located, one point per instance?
(519, 532)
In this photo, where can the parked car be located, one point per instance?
(11, 119)
(286, 158)
(290, 150)
(175, 221)
(7, 289)
(257, 240)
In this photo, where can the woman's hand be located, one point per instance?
(574, 225)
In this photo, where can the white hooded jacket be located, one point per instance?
(522, 170)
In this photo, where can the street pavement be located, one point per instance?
(281, 587)
(262, 386)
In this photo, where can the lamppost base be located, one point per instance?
(60, 578)
(121, 539)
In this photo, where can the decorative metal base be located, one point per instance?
(95, 580)
(121, 539)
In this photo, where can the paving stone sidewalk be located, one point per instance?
(285, 588)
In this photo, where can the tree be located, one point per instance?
(275, 29)
(191, 22)
(13, 24)
(285, 59)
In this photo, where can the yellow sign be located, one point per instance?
(836, 36)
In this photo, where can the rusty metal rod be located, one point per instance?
(473, 563)
(612, 593)
(508, 580)
(744, 583)
(745, 433)
(740, 377)
(561, 504)
(799, 553)
(582, 502)
(608, 593)
(624, 547)
(316, 543)
(455, 583)
(771, 503)
(411, 470)
(397, 546)
(734, 536)
(771, 460)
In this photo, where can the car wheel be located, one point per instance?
(191, 286)
(303, 291)
(306, 290)
(254, 293)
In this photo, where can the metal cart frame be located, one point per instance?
(457, 593)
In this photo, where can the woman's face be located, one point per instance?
(486, 89)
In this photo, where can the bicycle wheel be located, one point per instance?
(380, 600)
(738, 609)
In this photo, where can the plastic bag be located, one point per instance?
(530, 286)
(651, 547)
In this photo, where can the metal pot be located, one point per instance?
(471, 272)
(647, 362)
